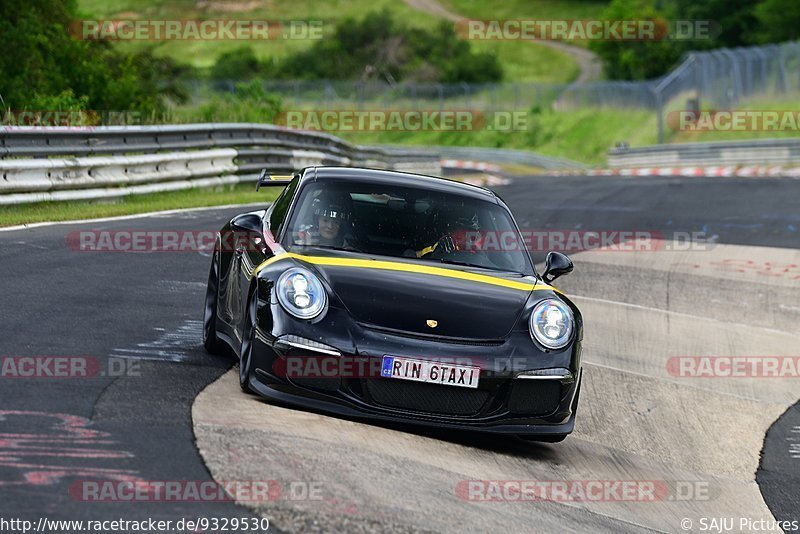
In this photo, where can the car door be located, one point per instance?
(255, 239)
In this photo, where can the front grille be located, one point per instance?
(535, 397)
(422, 397)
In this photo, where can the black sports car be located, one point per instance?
(391, 296)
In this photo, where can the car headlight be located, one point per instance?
(551, 323)
(301, 293)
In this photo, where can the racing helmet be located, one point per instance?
(464, 233)
(331, 208)
(466, 222)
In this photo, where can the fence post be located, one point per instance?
(660, 111)
(465, 86)
(736, 75)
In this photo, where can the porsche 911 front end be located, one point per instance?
(481, 378)
(380, 299)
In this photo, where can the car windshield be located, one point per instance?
(407, 222)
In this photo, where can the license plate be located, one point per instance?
(448, 374)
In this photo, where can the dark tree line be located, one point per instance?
(733, 23)
(42, 67)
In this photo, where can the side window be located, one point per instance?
(277, 215)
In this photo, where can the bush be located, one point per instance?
(238, 64)
(380, 47)
(635, 60)
(248, 103)
(779, 20)
(42, 64)
(733, 23)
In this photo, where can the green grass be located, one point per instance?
(584, 135)
(203, 54)
(529, 10)
(525, 62)
(587, 135)
(191, 198)
(530, 62)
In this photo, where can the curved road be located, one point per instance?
(137, 315)
(590, 67)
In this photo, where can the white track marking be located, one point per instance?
(134, 216)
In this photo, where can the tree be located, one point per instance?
(733, 22)
(377, 46)
(635, 60)
(779, 20)
(238, 64)
(42, 64)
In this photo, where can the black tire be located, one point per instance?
(211, 342)
(248, 341)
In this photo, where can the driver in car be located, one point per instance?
(330, 226)
(464, 242)
(463, 235)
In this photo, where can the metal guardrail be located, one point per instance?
(497, 156)
(55, 163)
(117, 140)
(755, 152)
(51, 174)
(502, 155)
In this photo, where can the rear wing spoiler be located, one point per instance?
(266, 179)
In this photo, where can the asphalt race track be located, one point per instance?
(170, 411)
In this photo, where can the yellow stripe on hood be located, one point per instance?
(409, 268)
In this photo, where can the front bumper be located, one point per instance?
(306, 399)
(506, 401)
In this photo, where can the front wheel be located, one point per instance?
(210, 340)
(248, 342)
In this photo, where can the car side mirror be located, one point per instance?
(556, 264)
(248, 222)
(248, 230)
